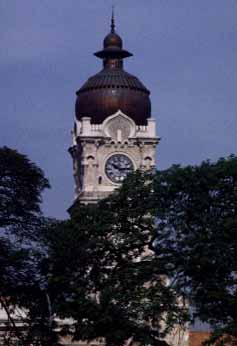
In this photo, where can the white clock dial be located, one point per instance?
(117, 167)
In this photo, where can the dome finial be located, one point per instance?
(112, 21)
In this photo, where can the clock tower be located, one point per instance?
(113, 133)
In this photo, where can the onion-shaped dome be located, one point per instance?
(113, 40)
(113, 88)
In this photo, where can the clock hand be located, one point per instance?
(125, 168)
(115, 166)
(121, 168)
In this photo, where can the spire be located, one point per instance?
(113, 46)
(112, 21)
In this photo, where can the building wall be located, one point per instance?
(93, 144)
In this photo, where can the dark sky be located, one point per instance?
(185, 52)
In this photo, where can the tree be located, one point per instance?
(21, 187)
(98, 269)
(106, 278)
(196, 210)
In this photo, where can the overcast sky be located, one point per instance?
(185, 52)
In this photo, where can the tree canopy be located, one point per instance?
(119, 269)
(95, 268)
(21, 187)
(108, 280)
(196, 209)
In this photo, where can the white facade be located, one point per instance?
(93, 144)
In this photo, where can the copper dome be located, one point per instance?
(113, 88)
(113, 40)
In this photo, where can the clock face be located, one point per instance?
(117, 167)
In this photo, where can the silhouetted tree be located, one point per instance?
(23, 293)
(196, 210)
(108, 281)
(120, 268)
(21, 187)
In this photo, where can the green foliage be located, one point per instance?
(94, 268)
(108, 280)
(196, 209)
(98, 267)
(21, 185)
